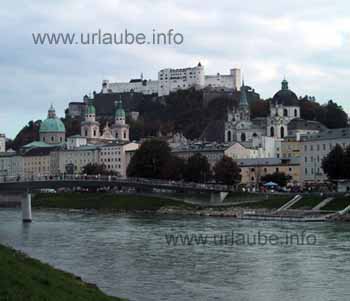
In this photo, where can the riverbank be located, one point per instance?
(105, 202)
(24, 278)
(236, 205)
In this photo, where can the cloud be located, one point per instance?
(308, 42)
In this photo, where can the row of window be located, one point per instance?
(323, 146)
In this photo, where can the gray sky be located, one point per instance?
(307, 41)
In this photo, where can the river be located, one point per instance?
(131, 255)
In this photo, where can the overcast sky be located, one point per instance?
(306, 41)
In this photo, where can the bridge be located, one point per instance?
(217, 192)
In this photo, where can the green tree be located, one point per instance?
(174, 169)
(97, 169)
(150, 160)
(333, 164)
(226, 171)
(279, 178)
(197, 169)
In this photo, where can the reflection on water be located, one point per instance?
(128, 256)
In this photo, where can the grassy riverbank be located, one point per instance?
(27, 279)
(103, 201)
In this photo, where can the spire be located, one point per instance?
(119, 112)
(51, 112)
(243, 102)
(284, 84)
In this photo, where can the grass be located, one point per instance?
(243, 196)
(308, 202)
(272, 202)
(339, 203)
(102, 201)
(27, 279)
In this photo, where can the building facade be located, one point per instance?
(252, 170)
(315, 147)
(2, 143)
(171, 80)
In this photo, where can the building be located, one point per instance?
(90, 128)
(76, 141)
(2, 143)
(116, 156)
(120, 130)
(72, 161)
(11, 164)
(140, 85)
(252, 170)
(52, 129)
(315, 147)
(291, 147)
(284, 107)
(37, 162)
(238, 126)
(214, 152)
(229, 81)
(171, 80)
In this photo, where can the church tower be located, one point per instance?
(243, 108)
(120, 129)
(90, 128)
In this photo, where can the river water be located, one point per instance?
(129, 255)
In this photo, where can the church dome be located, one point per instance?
(52, 124)
(119, 112)
(91, 109)
(285, 96)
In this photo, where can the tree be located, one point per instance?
(97, 169)
(174, 169)
(226, 171)
(197, 169)
(279, 178)
(334, 163)
(150, 160)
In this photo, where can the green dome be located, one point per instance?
(119, 112)
(52, 125)
(91, 109)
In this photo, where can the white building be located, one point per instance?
(76, 141)
(171, 80)
(72, 161)
(116, 156)
(11, 165)
(146, 87)
(315, 147)
(230, 81)
(2, 143)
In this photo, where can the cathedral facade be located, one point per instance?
(90, 127)
(284, 113)
(239, 127)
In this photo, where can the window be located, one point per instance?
(277, 169)
(272, 131)
(282, 132)
(295, 113)
(306, 171)
(243, 137)
(229, 136)
(285, 113)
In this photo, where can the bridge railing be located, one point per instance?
(115, 179)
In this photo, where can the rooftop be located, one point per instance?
(328, 135)
(268, 162)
